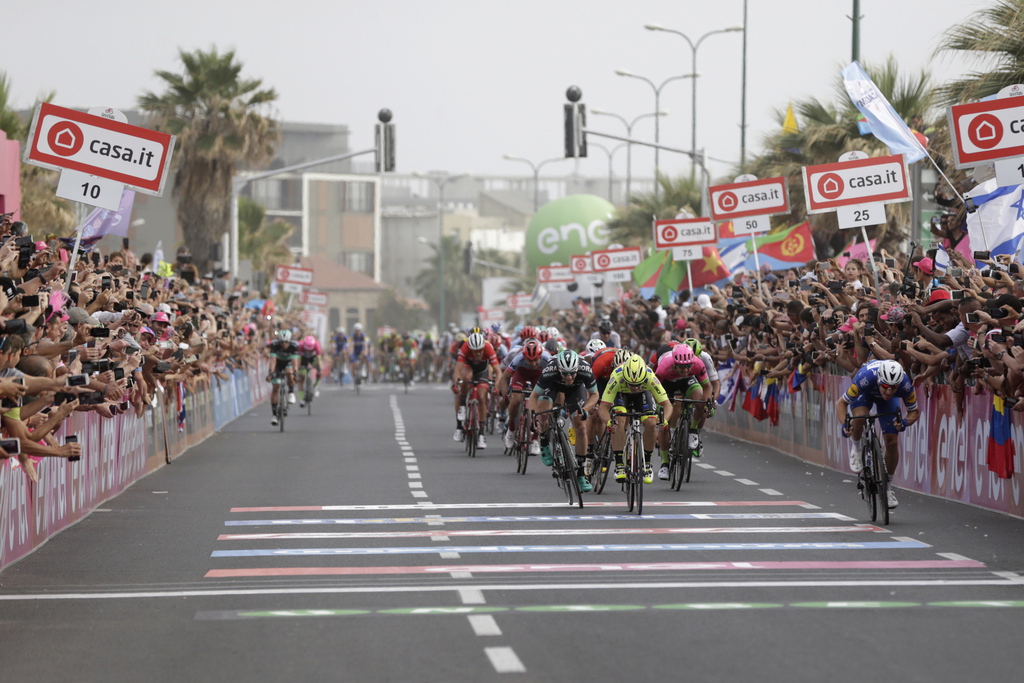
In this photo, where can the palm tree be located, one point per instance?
(40, 208)
(222, 121)
(462, 292)
(265, 243)
(994, 35)
(634, 224)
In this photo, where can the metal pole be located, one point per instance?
(693, 113)
(856, 30)
(235, 188)
(610, 178)
(689, 276)
(871, 258)
(657, 137)
(440, 252)
(757, 264)
(536, 187)
(74, 260)
(629, 162)
(743, 95)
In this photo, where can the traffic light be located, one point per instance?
(575, 114)
(467, 258)
(384, 139)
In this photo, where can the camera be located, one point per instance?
(30, 301)
(77, 380)
(986, 272)
(99, 332)
(12, 446)
(835, 286)
(957, 294)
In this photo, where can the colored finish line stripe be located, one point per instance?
(433, 550)
(634, 567)
(553, 532)
(541, 518)
(223, 615)
(498, 506)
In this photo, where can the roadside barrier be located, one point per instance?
(116, 453)
(946, 454)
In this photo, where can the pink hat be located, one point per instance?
(848, 325)
(161, 317)
(926, 265)
(41, 246)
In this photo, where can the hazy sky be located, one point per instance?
(472, 80)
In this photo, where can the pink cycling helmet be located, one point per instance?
(682, 355)
(308, 342)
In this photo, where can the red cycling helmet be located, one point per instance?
(532, 350)
(543, 336)
(528, 332)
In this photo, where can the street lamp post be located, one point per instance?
(657, 108)
(693, 75)
(629, 146)
(610, 153)
(440, 179)
(536, 174)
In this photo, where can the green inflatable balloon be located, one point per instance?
(571, 225)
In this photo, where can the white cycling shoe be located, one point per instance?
(856, 462)
(291, 397)
(694, 440)
(892, 502)
(458, 435)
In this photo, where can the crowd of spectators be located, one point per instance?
(960, 325)
(127, 331)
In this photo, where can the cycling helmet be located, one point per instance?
(890, 372)
(682, 355)
(634, 371)
(493, 339)
(405, 335)
(476, 330)
(284, 335)
(555, 334)
(528, 332)
(695, 346)
(357, 327)
(621, 356)
(308, 342)
(568, 362)
(605, 325)
(532, 350)
(595, 345)
(551, 346)
(341, 330)
(543, 336)
(476, 341)
(496, 327)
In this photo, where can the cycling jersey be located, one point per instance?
(603, 362)
(667, 371)
(283, 350)
(477, 359)
(340, 341)
(358, 346)
(551, 383)
(519, 361)
(428, 344)
(865, 385)
(617, 385)
(613, 338)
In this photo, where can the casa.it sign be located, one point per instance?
(862, 181)
(580, 264)
(987, 131)
(551, 274)
(606, 260)
(765, 197)
(682, 232)
(61, 138)
(295, 276)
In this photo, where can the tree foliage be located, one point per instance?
(994, 37)
(265, 243)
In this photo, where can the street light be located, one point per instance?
(657, 107)
(610, 153)
(536, 174)
(629, 146)
(694, 75)
(440, 179)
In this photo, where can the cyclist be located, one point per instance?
(879, 383)
(593, 346)
(602, 364)
(285, 354)
(475, 364)
(634, 386)
(569, 375)
(709, 365)
(523, 370)
(357, 360)
(606, 334)
(682, 372)
(309, 360)
(427, 358)
(407, 348)
(339, 341)
(526, 332)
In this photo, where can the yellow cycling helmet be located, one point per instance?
(634, 371)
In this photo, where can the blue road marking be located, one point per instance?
(536, 518)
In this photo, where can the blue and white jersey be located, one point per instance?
(865, 384)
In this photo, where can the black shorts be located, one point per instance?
(681, 386)
(281, 365)
(642, 402)
(574, 398)
(305, 362)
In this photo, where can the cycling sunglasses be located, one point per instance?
(888, 386)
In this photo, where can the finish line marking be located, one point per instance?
(555, 532)
(438, 520)
(497, 506)
(603, 567)
(321, 552)
(1014, 580)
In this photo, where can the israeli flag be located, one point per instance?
(886, 124)
(999, 220)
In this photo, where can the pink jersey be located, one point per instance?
(309, 345)
(667, 372)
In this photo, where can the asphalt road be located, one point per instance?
(363, 545)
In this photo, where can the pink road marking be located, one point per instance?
(654, 566)
(497, 506)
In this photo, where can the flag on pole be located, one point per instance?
(886, 124)
(1000, 441)
(789, 124)
(102, 222)
(857, 251)
(999, 220)
(790, 248)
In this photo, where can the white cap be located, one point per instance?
(166, 308)
(704, 300)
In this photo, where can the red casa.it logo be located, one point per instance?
(669, 233)
(604, 260)
(727, 201)
(831, 186)
(65, 138)
(985, 131)
(545, 274)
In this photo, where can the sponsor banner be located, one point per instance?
(987, 131)
(682, 232)
(581, 264)
(943, 455)
(115, 454)
(519, 301)
(607, 260)
(550, 274)
(765, 197)
(293, 275)
(860, 181)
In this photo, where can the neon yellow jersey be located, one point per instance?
(616, 384)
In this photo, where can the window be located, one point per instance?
(360, 261)
(358, 197)
(334, 318)
(351, 317)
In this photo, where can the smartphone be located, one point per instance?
(982, 255)
(998, 337)
(123, 406)
(130, 295)
(972, 319)
(956, 272)
(77, 380)
(835, 286)
(74, 276)
(88, 368)
(72, 356)
(847, 254)
(118, 373)
(162, 367)
(99, 332)
(957, 294)
(103, 365)
(889, 262)
(30, 300)
(124, 243)
(72, 438)
(12, 446)
(92, 398)
(144, 291)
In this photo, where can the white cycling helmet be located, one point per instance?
(890, 372)
(284, 335)
(357, 327)
(476, 341)
(568, 362)
(595, 345)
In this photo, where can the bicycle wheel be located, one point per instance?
(870, 491)
(881, 479)
(282, 408)
(629, 485)
(523, 442)
(570, 470)
(473, 428)
(309, 394)
(602, 464)
(677, 468)
(637, 472)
